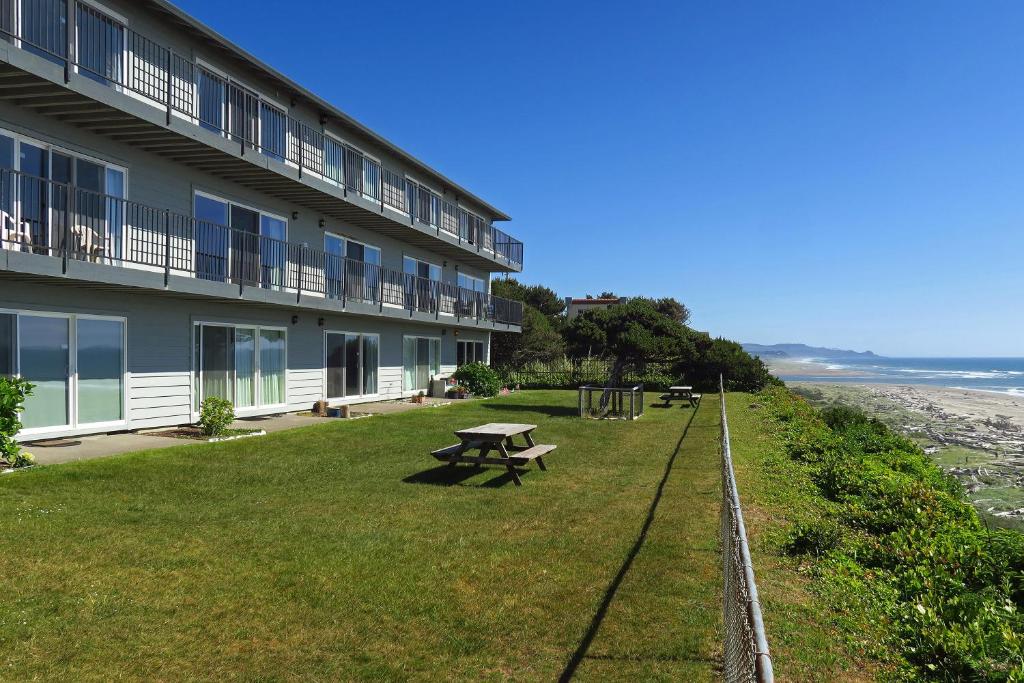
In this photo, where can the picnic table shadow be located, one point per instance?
(550, 411)
(446, 475)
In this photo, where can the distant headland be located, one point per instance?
(768, 351)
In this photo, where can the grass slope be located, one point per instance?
(775, 492)
(342, 551)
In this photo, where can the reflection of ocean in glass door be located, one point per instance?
(44, 361)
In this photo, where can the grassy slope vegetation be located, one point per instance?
(884, 547)
(342, 551)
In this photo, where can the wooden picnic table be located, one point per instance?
(496, 436)
(681, 393)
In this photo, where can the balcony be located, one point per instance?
(46, 218)
(105, 52)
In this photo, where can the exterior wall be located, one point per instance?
(159, 382)
(159, 182)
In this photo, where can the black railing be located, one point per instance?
(105, 50)
(40, 216)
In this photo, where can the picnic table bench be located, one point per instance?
(496, 436)
(681, 393)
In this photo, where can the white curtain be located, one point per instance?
(245, 367)
(409, 363)
(435, 357)
(272, 367)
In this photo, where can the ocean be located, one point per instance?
(1003, 375)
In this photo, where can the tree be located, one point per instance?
(631, 333)
(673, 309)
(539, 297)
(538, 341)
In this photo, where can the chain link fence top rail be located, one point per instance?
(745, 656)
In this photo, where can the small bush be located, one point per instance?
(13, 392)
(480, 379)
(215, 414)
(841, 417)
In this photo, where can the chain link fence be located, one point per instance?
(746, 656)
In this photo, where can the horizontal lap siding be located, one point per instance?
(389, 382)
(159, 399)
(305, 387)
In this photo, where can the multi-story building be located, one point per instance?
(179, 220)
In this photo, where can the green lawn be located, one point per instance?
(343, 551)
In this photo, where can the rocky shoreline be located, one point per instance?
(978, 437)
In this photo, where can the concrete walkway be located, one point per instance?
(101, 445)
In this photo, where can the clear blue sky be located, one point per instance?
(835, 173)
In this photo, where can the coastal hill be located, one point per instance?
(803, 351)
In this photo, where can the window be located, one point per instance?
(352, 364)
(471, 293)
(273, 131)
(75, 362)
(334, 155)
(243, 364)
(33, 209)
(44, 28)
(420, 292)
(239, 244)
(473, 283)
(470, 352)
(363, 268)
(101, 45)
(212, 98)
(421, 360)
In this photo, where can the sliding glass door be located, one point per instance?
(101, 362)
(351, 362)
(239, 244)
(44, 359)
(76, 365)
(421, 360)
(242, 364)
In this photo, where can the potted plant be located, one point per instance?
(419, 398)
(461, 391)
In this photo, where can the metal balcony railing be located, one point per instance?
(40, 216)
(97, 46)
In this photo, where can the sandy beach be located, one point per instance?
(976, 436)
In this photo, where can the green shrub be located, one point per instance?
(215, 415)
(479, 378)
(13, 392)
(901, 548)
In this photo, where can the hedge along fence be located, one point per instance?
(572, 373)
